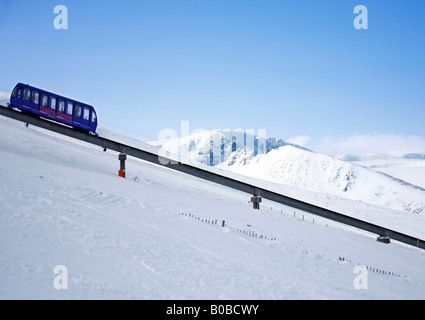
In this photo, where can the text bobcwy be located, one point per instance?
(221, 309)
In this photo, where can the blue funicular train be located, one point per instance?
(42, 103)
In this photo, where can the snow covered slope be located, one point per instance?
(4, 98)
(409, 168)
(152, 236)
(322, 173)
(295, 166)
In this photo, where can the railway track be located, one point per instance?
(251, 189)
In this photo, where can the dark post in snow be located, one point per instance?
(256, 202)
(383, 239)
(122, 157)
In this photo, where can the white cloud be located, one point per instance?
(371, 143)
(302, 140)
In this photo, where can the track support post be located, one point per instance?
(256, 202)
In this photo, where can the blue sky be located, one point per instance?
(298, 69)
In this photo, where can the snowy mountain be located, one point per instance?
(216, 147)
(291, 165)
(408, 167)
(158, 234)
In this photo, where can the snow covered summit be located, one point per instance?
(276, 161)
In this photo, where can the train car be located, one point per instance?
(49, 105)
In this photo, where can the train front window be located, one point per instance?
(61, 106)
(93, 116)
(69, 107)
(35, 97)
(27, 94)
(53, 103)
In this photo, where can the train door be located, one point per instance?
(44, 106)
(86, 118)
(81, 117)
(27, 104)
(35, 100)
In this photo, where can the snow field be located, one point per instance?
(409, 170)
(62, 203)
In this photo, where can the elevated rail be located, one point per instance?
(213, 177)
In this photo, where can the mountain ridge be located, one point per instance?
(277, 161)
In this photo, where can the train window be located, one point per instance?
(17, 92)
(93, 116)
(27, 94)
(69, 107)
(78, 111)
(61, 106)
(35, 97)
(86, 113)
(53, 103)
(44, 100)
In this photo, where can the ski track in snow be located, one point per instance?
(62, 203)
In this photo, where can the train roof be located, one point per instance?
(54, 94)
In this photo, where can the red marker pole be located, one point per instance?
(122, 157)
